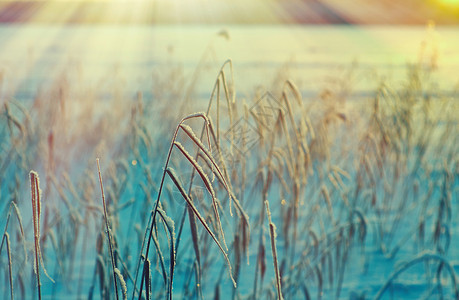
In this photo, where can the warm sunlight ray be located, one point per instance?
(449, 4)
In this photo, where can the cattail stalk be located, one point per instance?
(36, 209)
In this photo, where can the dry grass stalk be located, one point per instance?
(36, 212)
(6, 237)
(172, 175)
(14, 207)
(146, 279)
(273, 235)
(169, 223)
(107, 227)
(122, 282)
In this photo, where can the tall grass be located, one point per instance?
(349, 187)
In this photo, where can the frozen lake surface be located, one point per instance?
(33, 57)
